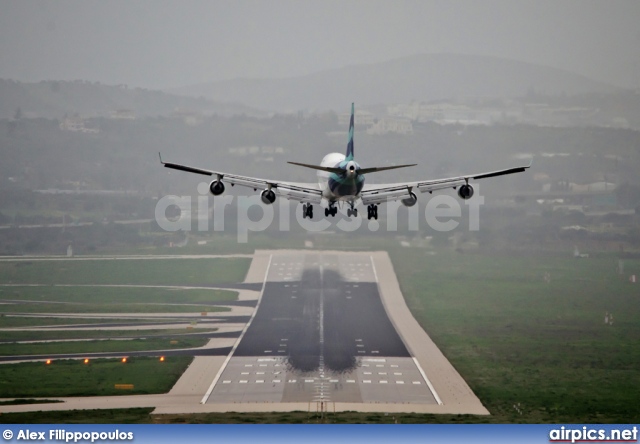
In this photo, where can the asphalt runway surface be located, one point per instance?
(309, 328)
(321, 333)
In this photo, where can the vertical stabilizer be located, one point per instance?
(349, 155)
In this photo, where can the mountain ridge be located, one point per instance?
(55, 99)
(421, 77)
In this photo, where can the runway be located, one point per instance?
(320, 334)
(315, 330)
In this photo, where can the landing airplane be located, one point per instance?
(341, 179)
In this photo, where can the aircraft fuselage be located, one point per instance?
(345, 186)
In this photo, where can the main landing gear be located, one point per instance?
(372, 212)
(331, 211)
(352, 211)
(307, 211)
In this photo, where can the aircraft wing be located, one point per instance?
(375, 194)
(303, 192)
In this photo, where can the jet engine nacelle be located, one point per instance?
(216, 187)
(410, 201)
(268, 197)
(465, 192)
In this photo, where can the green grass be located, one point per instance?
(130, 271)
(519, 340)
(135, 307)
(74, 378)
(48, 299)
(109, 345)
(29, 401)
(144, 416)
(221, 243)
(68, 378)
(20, 322)
(312, 417)
(112, 416)
(51, 335)
(100, 295)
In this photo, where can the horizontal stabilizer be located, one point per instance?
(376, 169)
(320, 168)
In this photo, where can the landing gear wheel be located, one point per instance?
(372, 212)
(307, 211)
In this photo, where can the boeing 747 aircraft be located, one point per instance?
(341, 179)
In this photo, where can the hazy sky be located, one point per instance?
(159, 44)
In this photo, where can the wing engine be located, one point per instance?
(268, 197)
(216, 187)
(465, 191)
(411, 200)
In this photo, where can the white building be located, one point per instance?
(364, 118)
(77, 126)
(391, 125)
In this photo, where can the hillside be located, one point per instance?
(426, 77)
(54, 99)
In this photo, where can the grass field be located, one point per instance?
(25, 322)
(114, 295)
(313, 418)
(75, 308)
(71, 378)
(223, 243)
(131, 271)
(52, 335)
(519, 340)
(144, 416)
(113, 416)
(109, 345)
(98, 378)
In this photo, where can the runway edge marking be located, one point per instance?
(424, 375)
(206, 396)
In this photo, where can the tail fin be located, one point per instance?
(349, 155)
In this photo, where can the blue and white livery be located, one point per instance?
(341, 179)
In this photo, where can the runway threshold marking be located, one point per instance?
(205, 398)
(424, 375)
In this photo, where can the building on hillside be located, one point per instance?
(363, 118)
(123, 114)
(189, 117)
(76, 125)
(391, 125)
